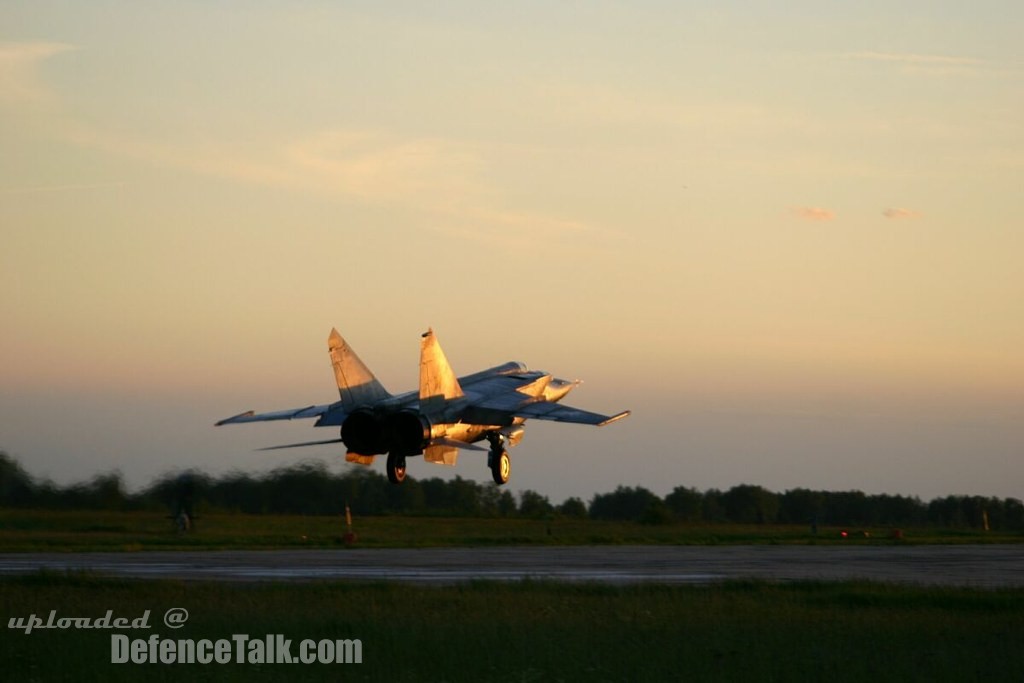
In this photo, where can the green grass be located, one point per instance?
(24, 531)
(541, 631)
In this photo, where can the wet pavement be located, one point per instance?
(962, 565)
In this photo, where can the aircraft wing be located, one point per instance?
(556, 412)
(291, 414)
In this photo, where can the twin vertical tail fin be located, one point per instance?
(359, 387)
(356, 384)
(438, 383)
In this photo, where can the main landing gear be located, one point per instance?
(396, 468)
(498, 460)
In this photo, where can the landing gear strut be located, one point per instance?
(498, 460)
(396, 468)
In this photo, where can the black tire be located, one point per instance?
(396, 468)
(501, 468)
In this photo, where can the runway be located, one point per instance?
(953, 565)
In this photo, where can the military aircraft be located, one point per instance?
(446, 413)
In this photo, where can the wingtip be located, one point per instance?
(234, 418)
(615, 418)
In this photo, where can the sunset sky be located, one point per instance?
(788, 235)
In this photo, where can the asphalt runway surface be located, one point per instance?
(987, 566)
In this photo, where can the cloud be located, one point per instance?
(355, 164)
(813, 213)
(439, 177)
(924, 64)
(72, 187)
(900, 214)
(19, 78)
(916, 59)
(374, 165)
(340, 163)
(512, 229)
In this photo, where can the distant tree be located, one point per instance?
(686, 504)
(656, 512)
(801, 506)
(975, 508)
(970, 511)
(896, 510)
(307, 489)
(176, 492)
(712, 509)
(507, 504)
(16, 487)
(102, 492)
(748, 504)
(847, 507)
(236, 492)
(625, 502)
(435, 496)
(464, 497)
(311, 488)
(946, 511)
(407, 499)
(573, 507)
(496, 501)
(366, 492)
(534, 505)
(1013, 514)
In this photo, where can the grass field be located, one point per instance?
(23, 531)
(534, 631)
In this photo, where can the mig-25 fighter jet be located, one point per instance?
(446, 413)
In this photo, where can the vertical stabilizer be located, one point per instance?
(437, 381)
(356, 384)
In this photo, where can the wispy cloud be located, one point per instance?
(513, 229)
(896, 213)
(813, 213)
(643, 107)
(71, 187)
(355, 164)
(19, 77)
(439, 177)
(910, 62)
(917, 59)
(375, 165)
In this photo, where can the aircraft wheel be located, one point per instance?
(501, 468)
(396, 468)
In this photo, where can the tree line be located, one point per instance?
(310, 488)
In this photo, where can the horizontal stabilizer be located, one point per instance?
(299, 445)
